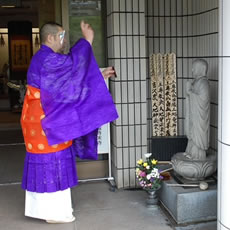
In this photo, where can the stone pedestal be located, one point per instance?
(193, 169)
(189, 205)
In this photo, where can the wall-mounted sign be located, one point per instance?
(104, 134)
(103, 139)
(20, 54)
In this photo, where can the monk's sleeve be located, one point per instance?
(74, 96)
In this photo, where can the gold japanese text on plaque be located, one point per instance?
(163, 94)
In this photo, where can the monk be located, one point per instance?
(66, 102)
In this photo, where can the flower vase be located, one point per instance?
(152, 197)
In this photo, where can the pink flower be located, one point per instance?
(142, 174)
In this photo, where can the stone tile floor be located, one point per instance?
(95, 208)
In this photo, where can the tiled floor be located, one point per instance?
(95, 208)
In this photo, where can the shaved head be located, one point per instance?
(49, 28)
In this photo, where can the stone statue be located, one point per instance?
(195, 163)
(198, 112)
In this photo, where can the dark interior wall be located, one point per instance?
(49, 10)
(36, 11)
(28, 11)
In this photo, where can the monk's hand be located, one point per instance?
(108, 72)
(87, 32)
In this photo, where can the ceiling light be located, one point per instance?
(8, 6)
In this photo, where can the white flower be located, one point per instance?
(155, 173)
(147, 167)
(147, 155)
(155, 170)
(148, 176)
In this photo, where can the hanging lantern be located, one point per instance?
(37, 43)
(2, 41)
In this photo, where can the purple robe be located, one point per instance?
(76, 102)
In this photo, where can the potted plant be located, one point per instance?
(149, 177)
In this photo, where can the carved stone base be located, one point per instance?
(193, 169)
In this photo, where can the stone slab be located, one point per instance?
(189, 205)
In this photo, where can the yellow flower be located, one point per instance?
(145, 164)
(154, 162)
(140, 162)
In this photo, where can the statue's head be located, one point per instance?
(199, 68)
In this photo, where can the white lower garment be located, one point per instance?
(49, 206)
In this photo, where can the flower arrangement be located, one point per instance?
(148, 174)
